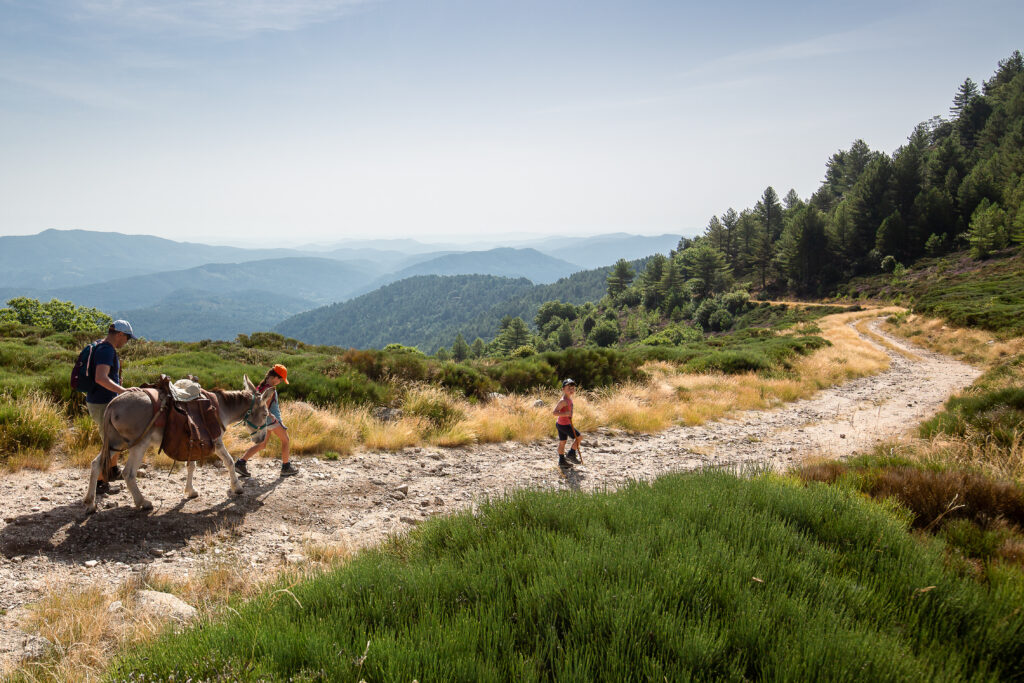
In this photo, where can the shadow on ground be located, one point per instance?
(68, 534)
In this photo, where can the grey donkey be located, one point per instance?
(129, 414)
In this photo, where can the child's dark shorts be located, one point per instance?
(566, 432)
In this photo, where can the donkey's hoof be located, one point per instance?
(145, 505)
(90, 506)
(191, 494)
(236, 492)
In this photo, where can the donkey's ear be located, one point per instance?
(248, 384)
(268, 394)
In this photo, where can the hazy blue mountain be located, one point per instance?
(317, 280)
(193, 315)
(418, 311)
(604, 250)
(58, 258)
(502, 261)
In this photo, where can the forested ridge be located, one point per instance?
(958, 182)
(417, 311)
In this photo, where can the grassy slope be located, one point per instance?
(969, 293)
(703, 576)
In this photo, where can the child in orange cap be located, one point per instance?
(275, 376)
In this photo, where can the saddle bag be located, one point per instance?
(192, 429)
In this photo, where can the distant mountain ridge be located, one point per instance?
(185, 290)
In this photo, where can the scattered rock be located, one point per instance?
(115, 606)
(403, 489)
(91, 563)
(295, 558)
(439, 501)
(424, 503)
(494, 395)
(409, 520)
(539, 403)
(165, 606)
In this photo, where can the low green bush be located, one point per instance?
(466, 379)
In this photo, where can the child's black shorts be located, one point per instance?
(566, 432)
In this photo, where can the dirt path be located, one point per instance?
(47, 539)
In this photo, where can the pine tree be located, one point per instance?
(988, 231)
(564, 335)
(650, 281)
(965, 94)
(706, 270)
(619, 279)
(460, 349)
(478, 348)
(803, 249)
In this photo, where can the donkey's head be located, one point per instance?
(259, 409)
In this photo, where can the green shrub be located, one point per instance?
(524, 374)
(466, 379)
(595, 367)
(703, 313)
(524, 351)
(605, 333)
(720, 320)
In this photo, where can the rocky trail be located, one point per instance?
(47, 539)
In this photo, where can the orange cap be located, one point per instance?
(281, 371)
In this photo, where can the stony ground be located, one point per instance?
(47, 539)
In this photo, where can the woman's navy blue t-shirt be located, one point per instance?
(104, 354)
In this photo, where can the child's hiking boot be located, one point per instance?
(572, 457)
(242, 468)
(288, 469)
(102, 488)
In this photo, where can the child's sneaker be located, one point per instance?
(242, 468)
(288, 469)
(572, 457)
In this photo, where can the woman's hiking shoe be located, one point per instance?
(573, 458)
(563, 463)
(242, 468)
(102, 488)
(288, 469)
(114, 474)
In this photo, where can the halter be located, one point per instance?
(256, 429)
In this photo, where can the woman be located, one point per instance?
(275, 376)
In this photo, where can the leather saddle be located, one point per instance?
(191, 428)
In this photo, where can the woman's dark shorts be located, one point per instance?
(566, 432)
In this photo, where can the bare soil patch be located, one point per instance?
(47, 539)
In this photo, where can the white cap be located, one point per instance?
(123, 326)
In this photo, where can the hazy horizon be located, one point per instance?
(279, 124)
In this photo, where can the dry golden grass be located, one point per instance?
(436, 418)
(969, 345)
(969, 452)
(30, 430)
(81, 441)
(86, 628)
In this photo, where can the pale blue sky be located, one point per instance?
(280, 123)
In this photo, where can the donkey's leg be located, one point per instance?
(94, 475)
(131, 466)
(189, 491)
(229, 465)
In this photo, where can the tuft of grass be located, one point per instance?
(29, 426)
(703, 575)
